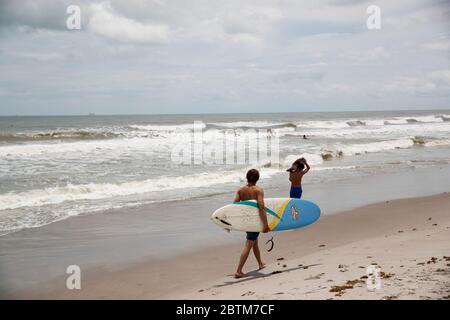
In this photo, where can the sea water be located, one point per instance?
(53, 168)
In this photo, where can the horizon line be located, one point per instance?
(93, 114)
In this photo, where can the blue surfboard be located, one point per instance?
(282, 214)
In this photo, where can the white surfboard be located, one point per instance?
(282, 214)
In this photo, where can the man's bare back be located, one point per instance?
(249, 193)
(253, 192)
(296, 172)
(296, 178)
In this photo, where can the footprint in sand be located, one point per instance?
(390, 297)
(432, 260)
(343, 268)
(316, 277)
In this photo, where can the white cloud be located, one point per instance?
(440, 76)
(105, 22)
(264, 54)
(42, 56)
(364, 56)
(409, 85)
(442, 43)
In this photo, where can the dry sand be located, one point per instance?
(408, 239)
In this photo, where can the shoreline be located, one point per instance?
(202, 274)
(34, 261)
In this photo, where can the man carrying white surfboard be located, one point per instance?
(252, 192)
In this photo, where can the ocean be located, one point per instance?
(56, 167)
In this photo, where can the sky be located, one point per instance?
(208, 56)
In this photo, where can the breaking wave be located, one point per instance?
(380, 146)
(58, 135)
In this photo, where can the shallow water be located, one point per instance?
(54, 168)
(117, 239)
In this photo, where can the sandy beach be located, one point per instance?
(129, 130)
(408, 239)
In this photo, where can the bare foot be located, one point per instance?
(262, 266)
(238, 275)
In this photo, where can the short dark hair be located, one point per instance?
(252, 176)
(299, 163)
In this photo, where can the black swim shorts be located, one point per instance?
(252, 236)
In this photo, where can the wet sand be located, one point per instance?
(34, 261)
(409, 239)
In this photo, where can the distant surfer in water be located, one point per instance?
(296, 172)
(252, 192)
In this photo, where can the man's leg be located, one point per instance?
(244, 255)
(258, 254)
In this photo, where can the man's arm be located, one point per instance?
(262, 211)
(307, 167)
(237, 197)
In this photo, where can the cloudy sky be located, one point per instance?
(199, 56)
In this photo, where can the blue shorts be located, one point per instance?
(296, 192)
(252, 236)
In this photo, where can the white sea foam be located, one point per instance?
(92, 191)
(84, 147)
(333, 168)
(383, 131)
(251, 124)
(340, 149)
(168, 128)
(63, 154)
(437, 142)
(355, 122)
(312, 159)
(360, 148)
(325, 124)
(375, 122)
(395, 121)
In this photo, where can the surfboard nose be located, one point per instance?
(220, 219)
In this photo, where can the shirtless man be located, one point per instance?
(296, 172)
(252, 192)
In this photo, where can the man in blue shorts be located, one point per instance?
(296, 172)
